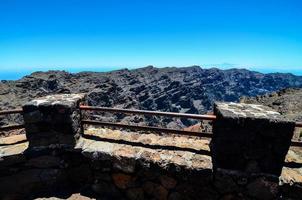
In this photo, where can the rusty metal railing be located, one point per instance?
(140, 112)
(11, 127)
(299, 124)
(148, 112)
(14, 111)
(157, 113)
(296, 144)
(148, 128)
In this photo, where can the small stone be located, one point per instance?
(135, 194)
(263, 189)
(149, 187)
(242, 181)
(51, 176)
(80, 174)
(291, 176)
(179, 161)
(252, 167)
(75, 196)
(201, 162)
(78, 196)
(102, 176)
(224, 183)
(147, 175)
(122, 181)
(13, 139)
(168, 182)
(124, 165)
(100, 187)
(229, 197)
(106, 190)
(9, 161)
(175, 196)
(44, 162)
(22, 183)
(155, 190)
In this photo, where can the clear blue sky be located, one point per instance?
(88, 34)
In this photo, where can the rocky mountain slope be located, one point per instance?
(190, 89)
(287, 102)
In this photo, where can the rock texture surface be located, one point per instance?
(53, 120)
(177, 153)
(57, 174)
(287, 102)
(191, 89)
(111, 164)
(251, 138)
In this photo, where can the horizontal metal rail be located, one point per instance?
(296, 144)
(15, 111)
(148, 112)
(299, 124)
(147, 128)
(11, 127)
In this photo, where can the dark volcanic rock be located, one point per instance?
(190, 89)
(250, 138)
(287, 102)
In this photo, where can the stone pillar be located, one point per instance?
(53, 121)
(250, 138)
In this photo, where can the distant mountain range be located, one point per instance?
(189, 89)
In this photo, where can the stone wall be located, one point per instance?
(117, 173)
(250, 138)
(59, 173)
(53, 120)
(60, 159)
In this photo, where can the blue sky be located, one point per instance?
(76, 35)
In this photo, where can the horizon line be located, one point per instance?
(18, 74)
(206, 66)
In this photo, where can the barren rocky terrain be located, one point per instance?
(188, 90)
(191, 90)
(287, 102)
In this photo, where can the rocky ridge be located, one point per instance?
(188, 89)
(287, 102)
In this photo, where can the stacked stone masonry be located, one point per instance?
(101, 163)
(250, 138)
(105, 166)
(53, 120)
